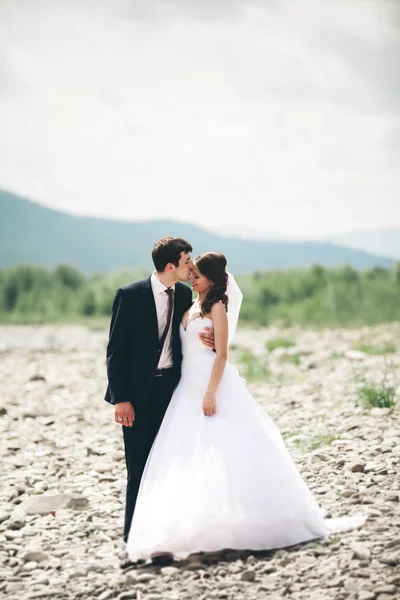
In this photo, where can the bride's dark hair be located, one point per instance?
(213, 266)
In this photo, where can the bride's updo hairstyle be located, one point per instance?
(213, 266)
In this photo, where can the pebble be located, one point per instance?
(365, 595)
(391, 559)
(30, 566)
(4, 516)
(106, 595)
(248, 575)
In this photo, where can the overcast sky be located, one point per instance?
(274, 114)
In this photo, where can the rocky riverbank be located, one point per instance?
(63, 473)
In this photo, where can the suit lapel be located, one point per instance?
(151, 310)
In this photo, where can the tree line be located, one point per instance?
(316, 296)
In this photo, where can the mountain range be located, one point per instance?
(384, 241)
(30, 232)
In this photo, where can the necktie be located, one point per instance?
(170, 293)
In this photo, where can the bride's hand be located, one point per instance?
(209, 404)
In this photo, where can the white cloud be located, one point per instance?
(275, 115)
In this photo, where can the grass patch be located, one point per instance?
(252, 368)
(337, 355)
(322, 440)
(290, 434)
(386, 348)
(332, 540)
(292, 359)
(278, 342)
(381, 396)
(310, 443)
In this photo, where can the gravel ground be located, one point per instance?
(63, 473)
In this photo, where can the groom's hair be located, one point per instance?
(168, 250)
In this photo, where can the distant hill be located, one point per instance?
(33, 233)
(380, 241)
(250, 233)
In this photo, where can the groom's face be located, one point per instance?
(184, 268)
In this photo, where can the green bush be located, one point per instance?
(316, 297)
(322, 297)
(69, 276)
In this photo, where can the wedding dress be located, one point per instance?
(225, 481)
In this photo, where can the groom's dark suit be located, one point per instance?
(133, 353)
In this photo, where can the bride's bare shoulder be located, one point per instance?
(218, 312)
(218, 309)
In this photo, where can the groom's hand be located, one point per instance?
(208, 338)
(124, 414)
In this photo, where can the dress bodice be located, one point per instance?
(191, 343)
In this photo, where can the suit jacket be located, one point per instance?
(133, 349)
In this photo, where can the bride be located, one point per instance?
(219, 474)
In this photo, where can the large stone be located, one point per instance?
(41, 505)
(14, 587)
(357, 466)
(168, 571)
(35, 555)
(360, 551)
(16, 522)
(248, 575)
(386, 589)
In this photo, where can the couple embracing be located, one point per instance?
(207, 468)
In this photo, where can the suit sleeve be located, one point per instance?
(117, 351)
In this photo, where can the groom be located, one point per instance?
(144, 355)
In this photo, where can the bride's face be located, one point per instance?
(200, 283)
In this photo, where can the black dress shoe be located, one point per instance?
(162, 560)
(128, 564)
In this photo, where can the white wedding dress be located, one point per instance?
(226, 481)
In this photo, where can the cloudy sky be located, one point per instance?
(270, 114)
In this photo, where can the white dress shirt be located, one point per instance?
(161, 300)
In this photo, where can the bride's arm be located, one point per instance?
(220, 322)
